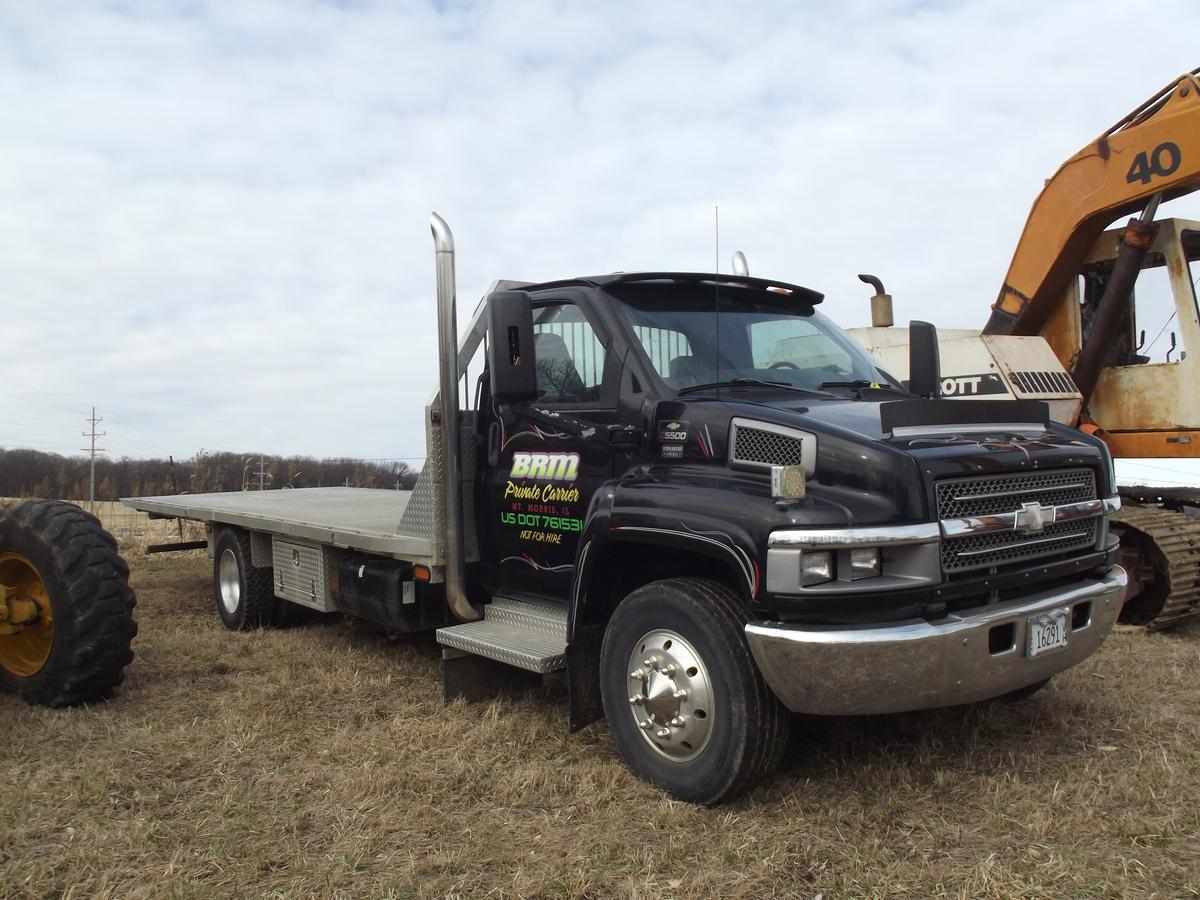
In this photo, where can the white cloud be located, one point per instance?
(213, 216)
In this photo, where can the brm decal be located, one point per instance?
(545, 466)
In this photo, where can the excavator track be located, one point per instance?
(1161, 550)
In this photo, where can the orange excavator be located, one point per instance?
(1072, 284)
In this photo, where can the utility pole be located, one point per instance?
(263, 475)
(94, 420)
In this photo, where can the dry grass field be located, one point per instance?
(320, 762)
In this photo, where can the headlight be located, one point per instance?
(853, 561)
(816, 566)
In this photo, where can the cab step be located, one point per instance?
(521, 633)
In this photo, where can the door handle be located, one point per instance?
(493, 443)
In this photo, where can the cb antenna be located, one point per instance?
(717, 291)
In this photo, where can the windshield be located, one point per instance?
(761, 335)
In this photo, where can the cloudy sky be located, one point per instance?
(214, 215)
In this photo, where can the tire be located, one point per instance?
(77, 637)
(244, 596)
(731, 730)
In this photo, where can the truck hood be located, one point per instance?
(861, 450)
(866, 420)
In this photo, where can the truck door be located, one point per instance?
(536, 495)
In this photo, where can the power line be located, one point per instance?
(1130, 462)
(35, 445)
(16, 415)
(74, 412)
(111, 418)
(143, 428)
(1160, 331)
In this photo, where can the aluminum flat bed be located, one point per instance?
(354, 518)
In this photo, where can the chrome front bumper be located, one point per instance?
(838, 670)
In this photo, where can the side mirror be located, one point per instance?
(511, 359)
(924, 365)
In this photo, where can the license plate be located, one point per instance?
(1047, 631)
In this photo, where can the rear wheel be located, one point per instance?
(687, 707)
(66, 608)
(244, 595)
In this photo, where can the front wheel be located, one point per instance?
(687, 707)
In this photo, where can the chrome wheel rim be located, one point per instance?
(230, 582)
(670, 695)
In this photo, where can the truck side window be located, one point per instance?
(570, 357)
(669, 351)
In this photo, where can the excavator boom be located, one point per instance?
(1154, 150)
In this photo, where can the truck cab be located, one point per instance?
(644, 432)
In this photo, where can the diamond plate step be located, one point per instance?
(525, 634)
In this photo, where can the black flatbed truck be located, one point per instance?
(703, 501)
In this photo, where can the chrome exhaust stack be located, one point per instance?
(452, 496)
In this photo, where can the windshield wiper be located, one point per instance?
(741, 382)
(858, 383)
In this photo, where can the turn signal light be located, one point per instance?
(420, 573)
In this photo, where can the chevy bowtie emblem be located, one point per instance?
(1033, 517)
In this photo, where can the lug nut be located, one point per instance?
(644, 725)
(677, 721)
(638, 674)
(651, 663)
(680, 694)
(669, 670)
(663, 732)
(637, 699)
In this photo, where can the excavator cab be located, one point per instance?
(1149, 330)
(1145, 400)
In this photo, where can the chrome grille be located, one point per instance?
(766, 448)
(999, 548)
(990, 494)
(997, 494)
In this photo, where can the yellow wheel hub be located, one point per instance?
(26, 619)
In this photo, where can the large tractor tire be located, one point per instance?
(66, 608)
